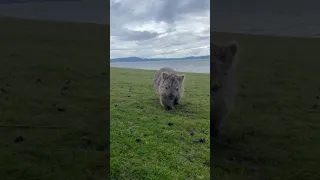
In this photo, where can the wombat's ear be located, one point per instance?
(181, 77)
(164, 75)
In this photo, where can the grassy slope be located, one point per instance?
(164, 152)
(274, 132)
(55, 53)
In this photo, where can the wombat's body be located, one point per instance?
(223, 83)
(169, 86)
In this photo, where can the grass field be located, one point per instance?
(149, 142)
(274, 132)
(54, 100)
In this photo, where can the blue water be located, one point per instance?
(194, 66)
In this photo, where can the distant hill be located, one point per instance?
(136, 59)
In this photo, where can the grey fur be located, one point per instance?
(223, 85)
(169, 85)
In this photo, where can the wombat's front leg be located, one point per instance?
(176, 100)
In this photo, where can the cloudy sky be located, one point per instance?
(159, 28)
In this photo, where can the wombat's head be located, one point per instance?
(223, 59)
(171, 85)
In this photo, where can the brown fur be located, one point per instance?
(169, 86)
(223, 84)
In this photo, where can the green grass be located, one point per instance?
(70, 60)
(164, 152)
(274, 132)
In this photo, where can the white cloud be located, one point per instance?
(159, 28)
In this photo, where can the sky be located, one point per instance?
(159, 28)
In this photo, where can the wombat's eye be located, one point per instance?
(177, 89)
(166, 87)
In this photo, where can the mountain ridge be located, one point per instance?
(136, 59)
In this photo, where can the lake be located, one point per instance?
(194, 66)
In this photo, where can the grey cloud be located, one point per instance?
(195, 51)
(129, 35)
(171, 9)
(168, 11)
(196, 6)
(159, 28)
(203, 37)
(125, 8)
(162, 10)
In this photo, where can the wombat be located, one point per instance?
(223, 83)
(169, 86)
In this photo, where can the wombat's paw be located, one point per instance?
(176, 101)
